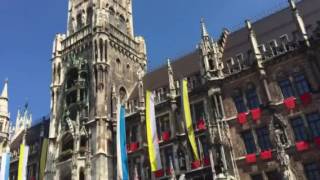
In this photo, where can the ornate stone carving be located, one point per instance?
(280, 141)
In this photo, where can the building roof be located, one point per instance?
(33, 134)
(267, 29)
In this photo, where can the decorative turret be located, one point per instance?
(299, 22)
(204, 31)
(24, 120)
(4, 109)
(172, 87)
(211, 56)
(258, 57)
(4, 118)
(254, 44)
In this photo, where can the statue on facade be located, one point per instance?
(280, 141)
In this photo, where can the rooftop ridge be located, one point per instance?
(277, 8)
(172, 61)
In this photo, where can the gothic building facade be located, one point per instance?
(254, 98)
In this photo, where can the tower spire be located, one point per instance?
(299, 22)
(204, 31)
(172, 87)
(4, 93)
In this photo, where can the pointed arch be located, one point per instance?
(123, 95)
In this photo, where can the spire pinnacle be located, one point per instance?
(169, 65)
(4, 93)
(292, 5)
(204, 31)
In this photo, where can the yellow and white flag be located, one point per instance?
(23, 160)
(152, 136)
(188, 118)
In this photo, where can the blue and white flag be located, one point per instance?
(5, 166)
(122, 158)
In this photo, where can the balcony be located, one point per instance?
(77, 36)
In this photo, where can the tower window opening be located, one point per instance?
(79, 21)
(101, 49)
(211, 64)
(89, 15)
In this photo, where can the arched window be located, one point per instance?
(252, 97)
(81, 174)
(123, 95)
(301, 83)
(119, 69)
(89, 15)
(101, 49)
(239, 101)
(54, 73)
(59, 73)
(79, 21)
(181, 159)
(122, 23)
(112, 15)
(95, 49)
(285, 85)
(106, 50)
(211, 64)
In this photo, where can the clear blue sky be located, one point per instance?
(170, 27)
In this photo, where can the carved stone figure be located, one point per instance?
(280, 141)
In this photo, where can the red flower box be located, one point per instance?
(159, 173)
(242, 118)
(134, 146)
(317, 141)
(302, 146)
(290, 102)
(306, 98)
(196, 164)
(206, 161)
(266, 155)
(256, 114)
(251, 158)
(166, 136)
(201, 125)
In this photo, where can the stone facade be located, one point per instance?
(253, 94)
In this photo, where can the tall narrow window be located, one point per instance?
(314, 124)
(134, 133)
(273, 47)
(205, 148)
(263, 138)
(286, 88)
(299, 129)
(197, 111)
(211, 64)
(312, 171)
(181, 159)
(239, 102)
(79, 21)
(168, 156)
(249, 143)
(301, 83)
(284, 41)
(252, 97)
(89, 15)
